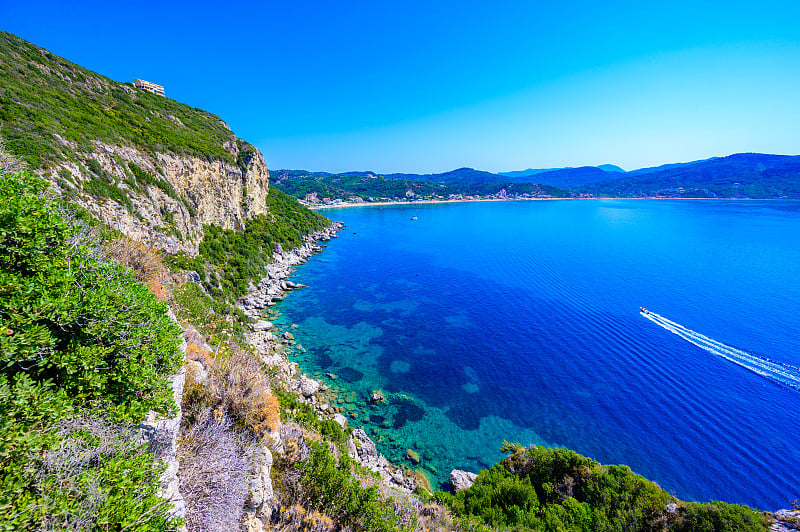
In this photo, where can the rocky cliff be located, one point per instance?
(152, 167)
(177, 196)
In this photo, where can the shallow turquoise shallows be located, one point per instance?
(520, 321)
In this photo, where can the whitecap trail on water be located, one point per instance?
(779, 372)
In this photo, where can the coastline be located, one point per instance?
(421, 202)
(316, 346)
(275, 344)
(348, 204)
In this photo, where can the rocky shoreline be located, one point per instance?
(271, 346)
(272, 288)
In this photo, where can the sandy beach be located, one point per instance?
(422, 202)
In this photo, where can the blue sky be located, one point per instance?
(431, 86)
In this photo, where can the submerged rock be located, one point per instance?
(413, 456)
(377, 396)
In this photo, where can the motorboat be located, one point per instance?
(644, 310)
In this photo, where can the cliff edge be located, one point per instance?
(151, 167)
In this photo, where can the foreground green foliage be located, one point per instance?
(87, 326)
(85, 352)
(242, 256)
(43, 95)
(560, 490)
(328, 486)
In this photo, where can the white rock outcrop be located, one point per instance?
(219, 192)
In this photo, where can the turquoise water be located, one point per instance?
(520, 321)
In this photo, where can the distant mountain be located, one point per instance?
(573, 178)
(652, 169)
(460, 175)
(746, 175)
(567, 176)
(527, 173)
(610, 168)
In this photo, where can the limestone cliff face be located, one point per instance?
(204, 191)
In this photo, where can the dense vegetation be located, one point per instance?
(242, 256)
(560, 490)
(43, 97)
(298, 183)
(85, 351)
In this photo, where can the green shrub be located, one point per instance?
(242, 256)
(328, 486)
(104, 189)
(64, 471)
(145, 178)
(87, 326)
(718, 516)
(76, 336)
(558, 489)
(213, 317)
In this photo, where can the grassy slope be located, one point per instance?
(43, 96)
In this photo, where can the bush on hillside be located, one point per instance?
(242, 256)
(324, 486)
(558, 489)
(85, 352)
(86, 326)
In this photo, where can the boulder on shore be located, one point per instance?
(262, 325)
(461, 480)
(308, 387)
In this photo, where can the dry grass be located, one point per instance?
(298, 519)
(215, 461)
(235, 383)
(145, 262)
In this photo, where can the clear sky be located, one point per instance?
(428, 86)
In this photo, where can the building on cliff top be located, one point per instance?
(149, 87)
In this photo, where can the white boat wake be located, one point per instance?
(779, 372)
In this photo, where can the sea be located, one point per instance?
(520, 321)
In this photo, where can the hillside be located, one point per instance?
(153, 168)
(370, 187)
(742, 175)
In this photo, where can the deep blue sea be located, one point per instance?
(520, 321)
